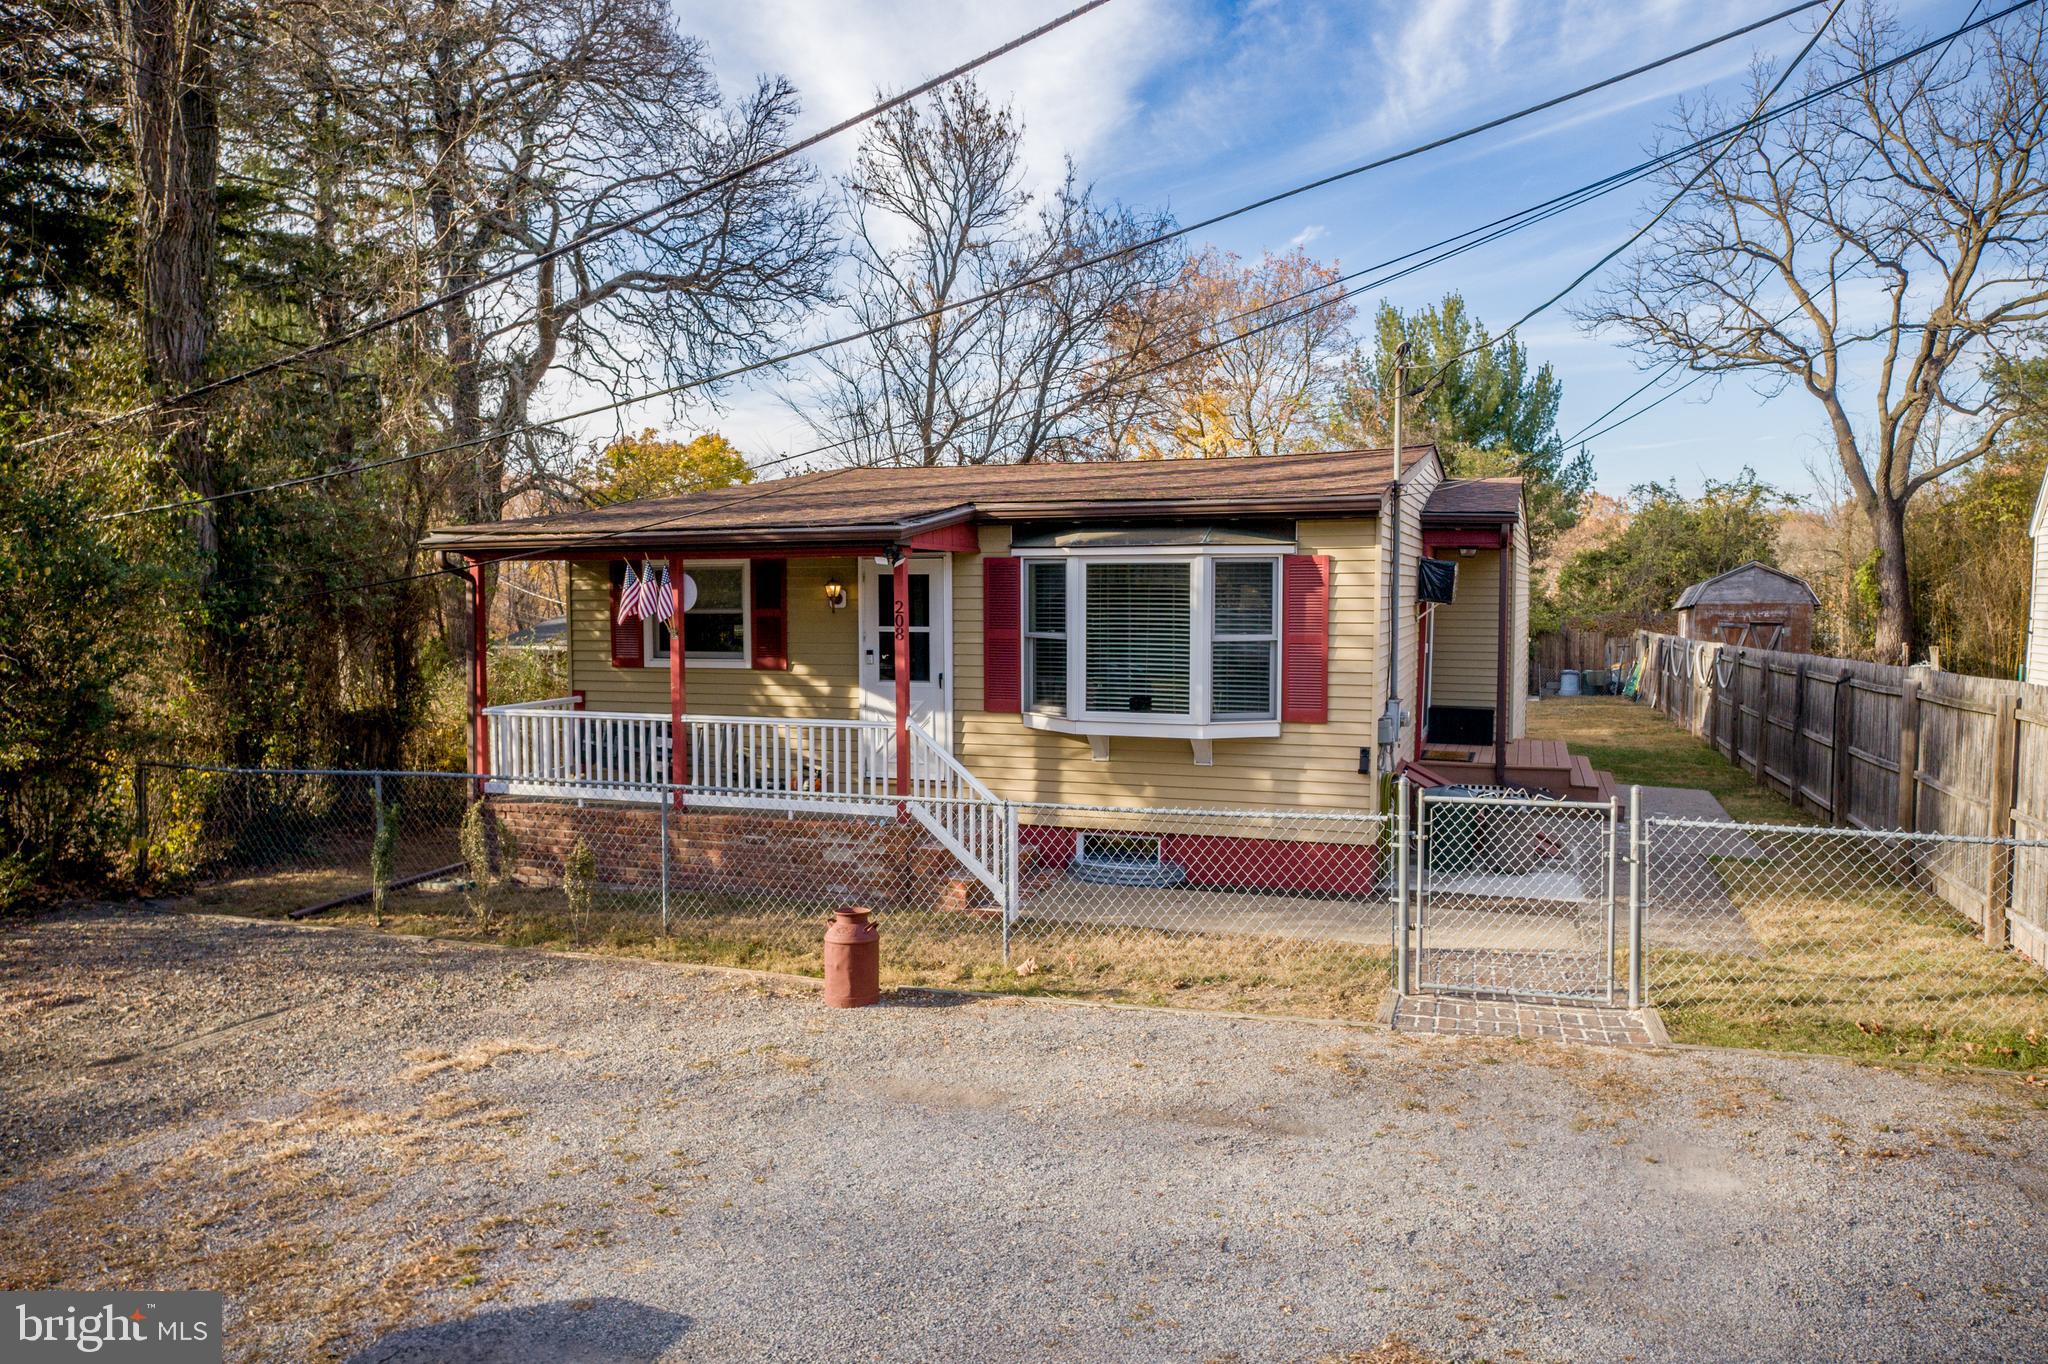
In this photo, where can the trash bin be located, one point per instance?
(1568, 683)
(1455, 831)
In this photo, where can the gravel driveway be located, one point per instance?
(386, 1149)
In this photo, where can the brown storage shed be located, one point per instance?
(1753, 605)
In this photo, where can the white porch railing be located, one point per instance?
(746, 762)
(551, 748)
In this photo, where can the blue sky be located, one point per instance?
(1200, 106)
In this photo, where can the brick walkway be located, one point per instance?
(1506, 1018)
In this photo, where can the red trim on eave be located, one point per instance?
(959, 538)
(1462, 538)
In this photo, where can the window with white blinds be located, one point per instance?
(1140, 649)
(1178, 642)
(1045, 637)
(1244, 638)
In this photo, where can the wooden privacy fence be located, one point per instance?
(1575, 650)
(1871, 746)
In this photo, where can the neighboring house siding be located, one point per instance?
(1313, 765)
(1466, 634)
(2037, 615)
(822, 681)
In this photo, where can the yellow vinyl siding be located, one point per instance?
(1416, 485)
(1465, 635)
(821, 683)
(1307, 765)
(1518, 637)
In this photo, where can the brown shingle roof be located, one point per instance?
(1474, 499)
(884, 505)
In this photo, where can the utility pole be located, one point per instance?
(1390, 719)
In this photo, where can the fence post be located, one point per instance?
(1401, 793)
(1797, 765)
(1010, 851)
(661, 816)
(138, 840)
(1763, 724)
(1998, 894)
(1840, 768)
(1635, 897)
(1906, 815)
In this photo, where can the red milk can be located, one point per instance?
(853, 959)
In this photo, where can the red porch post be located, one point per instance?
(678, 740)
(901, 621)
(479, 679)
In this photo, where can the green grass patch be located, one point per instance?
(1852, 959)
(1641, 747)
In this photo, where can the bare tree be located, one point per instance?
(1877, 250)
(464, 135)
(1024, 316)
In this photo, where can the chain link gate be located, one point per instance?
(1512, 896)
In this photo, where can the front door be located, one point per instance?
(931, 648)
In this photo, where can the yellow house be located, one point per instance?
(1219, 634)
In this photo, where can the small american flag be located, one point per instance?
(629, 596)
(664, 596)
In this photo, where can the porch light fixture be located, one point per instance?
(835, 593)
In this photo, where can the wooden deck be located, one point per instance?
(1542, 764)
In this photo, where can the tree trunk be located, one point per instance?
(172, 114)
(1894, 590)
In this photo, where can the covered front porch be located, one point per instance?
(558, 747)
(822, 669)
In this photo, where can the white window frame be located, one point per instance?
(1270, 637)
(1198, 723)
(744, 659)
(1030, 660)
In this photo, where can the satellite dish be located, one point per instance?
(689, 592)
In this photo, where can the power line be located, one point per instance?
(1756, 114)
(1444, 249)
(1586, 433)
(1456, 244)
(579, 241)
(830, 343)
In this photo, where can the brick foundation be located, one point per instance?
(806, 860)
(833, 860)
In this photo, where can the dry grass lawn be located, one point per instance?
(1256, 974)
(1853, 961)
(1643, 748)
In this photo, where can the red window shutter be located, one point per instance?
(626, 639)
(1305, 638)
(771, 613)
(1002, 652)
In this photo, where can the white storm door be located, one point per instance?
(931, 651)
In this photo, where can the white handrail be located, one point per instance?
(958, 810)
(552, 703)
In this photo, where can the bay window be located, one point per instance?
(1165, 643)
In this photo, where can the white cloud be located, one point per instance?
(1307, 235)
(1075, 87)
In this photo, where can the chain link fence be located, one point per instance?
(1227, 908)
(1840, 940)
(1788, 937)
